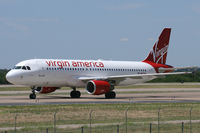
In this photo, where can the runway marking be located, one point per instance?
(143, 95)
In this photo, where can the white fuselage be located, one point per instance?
(59, 73)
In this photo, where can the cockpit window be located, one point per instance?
(17, 67)
(28, 67)
(22, 67)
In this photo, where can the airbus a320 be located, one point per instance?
(97, 76)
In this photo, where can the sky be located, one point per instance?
(98, 29)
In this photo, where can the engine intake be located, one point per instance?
(98, 87)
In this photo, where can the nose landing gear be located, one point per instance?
(32, 95)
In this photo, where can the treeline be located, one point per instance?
(194, 77)
(3, 73)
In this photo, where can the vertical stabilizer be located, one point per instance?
(158, 54)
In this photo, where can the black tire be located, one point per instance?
(72, 94)
(78, 94)
(110, 95)
(32, 96)
(75, 94)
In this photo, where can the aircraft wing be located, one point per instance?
(194, 68)
(134, 76)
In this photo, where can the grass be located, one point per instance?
(37, 118)
(159, 86)
(14, 88)
(139, 115)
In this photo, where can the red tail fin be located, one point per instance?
(159, 52)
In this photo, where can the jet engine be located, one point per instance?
(98, 87)
(45, 90)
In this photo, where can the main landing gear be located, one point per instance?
(32, 95)
(110, 95)
(75, 94)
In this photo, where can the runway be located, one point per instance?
(141, 95)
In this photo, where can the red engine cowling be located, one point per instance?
(97, 87)
(45, 90)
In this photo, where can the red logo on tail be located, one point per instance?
(159, 53)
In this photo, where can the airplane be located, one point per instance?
(97, 76)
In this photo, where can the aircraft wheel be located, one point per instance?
(78, 94)
(32, 96)
(75, 94)
(110, 95)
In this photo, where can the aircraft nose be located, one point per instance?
(11, 77)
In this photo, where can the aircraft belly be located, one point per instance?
(59, 80)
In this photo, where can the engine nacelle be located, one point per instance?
(98, 87)
(45, 90)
